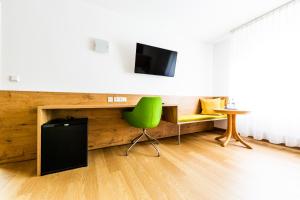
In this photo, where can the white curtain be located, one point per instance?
(265, 76)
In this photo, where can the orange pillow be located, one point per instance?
(208, 106)
(223, 103)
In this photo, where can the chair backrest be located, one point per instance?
(148, 111)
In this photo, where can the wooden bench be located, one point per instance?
(198, 118)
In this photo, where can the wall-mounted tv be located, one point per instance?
(154, 60)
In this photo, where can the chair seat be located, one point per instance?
(199, 117)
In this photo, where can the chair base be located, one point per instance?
(150, 138)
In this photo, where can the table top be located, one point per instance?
(56, 107)
(231, 111)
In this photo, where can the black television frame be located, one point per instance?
(136, 67)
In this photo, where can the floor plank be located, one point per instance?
(199, 168)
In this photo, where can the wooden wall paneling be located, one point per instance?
(18, 120)
(107, 128)
(170, 114)
(196, 127)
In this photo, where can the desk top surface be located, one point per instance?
(55, 107)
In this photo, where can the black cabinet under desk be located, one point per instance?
(64, 145)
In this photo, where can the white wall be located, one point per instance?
(48, 44)
(221, 65)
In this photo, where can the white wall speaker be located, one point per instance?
(101, 46)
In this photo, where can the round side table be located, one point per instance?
(231, 126)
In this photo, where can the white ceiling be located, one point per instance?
(205, 19)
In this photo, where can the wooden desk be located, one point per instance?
(231, 126)
(48, 112)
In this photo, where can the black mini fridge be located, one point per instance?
(64, 145)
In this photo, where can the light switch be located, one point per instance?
(110, 99)
(14, 78)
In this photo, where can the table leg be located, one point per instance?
(222, 136)
(236, 135)
(232, 132)
(229, 130)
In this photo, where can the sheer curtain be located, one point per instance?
(265, 76)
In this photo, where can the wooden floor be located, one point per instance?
(199, 168)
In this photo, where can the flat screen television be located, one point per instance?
(154, 60)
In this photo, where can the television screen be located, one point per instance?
(154, 60)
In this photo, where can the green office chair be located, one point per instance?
(146, 114)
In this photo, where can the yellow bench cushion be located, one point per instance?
(199, 117)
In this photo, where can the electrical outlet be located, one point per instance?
(123, 99)
(110, 99)
(116, 99)
(120, 99)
